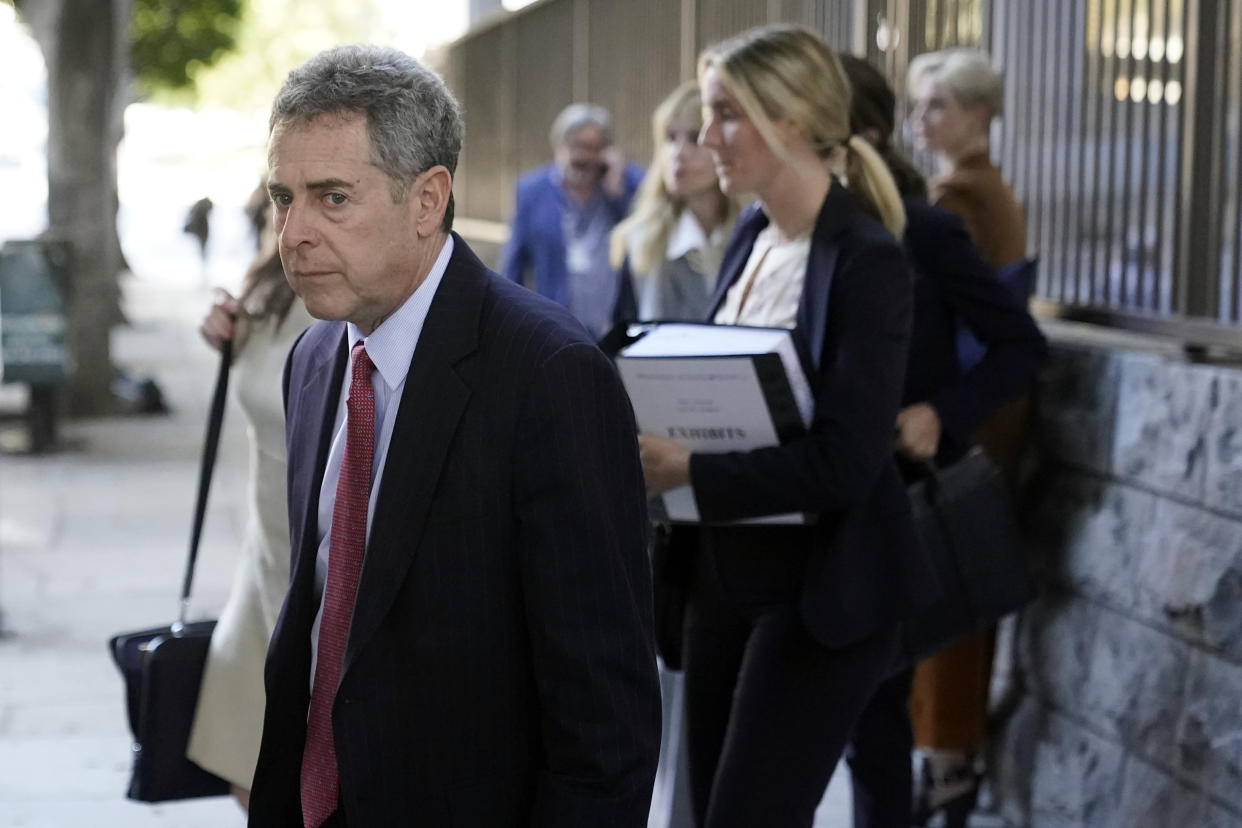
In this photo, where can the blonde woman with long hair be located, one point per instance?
(671, 243)
(789, 629)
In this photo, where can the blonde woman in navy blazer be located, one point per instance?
(789, 629)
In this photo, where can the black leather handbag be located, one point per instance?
(163, 667)
(967, 524)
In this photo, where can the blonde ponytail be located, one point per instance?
(869, 177)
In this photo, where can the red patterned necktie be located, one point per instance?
(320, 782)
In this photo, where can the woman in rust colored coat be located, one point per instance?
(957, 93)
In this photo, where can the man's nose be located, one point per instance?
(297, 227)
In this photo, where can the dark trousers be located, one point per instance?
(769, 710)
(879, 757)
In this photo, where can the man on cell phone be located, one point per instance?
(564, 212)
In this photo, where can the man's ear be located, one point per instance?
(429, 193)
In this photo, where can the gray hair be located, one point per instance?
(413, 121)
(576, 116)
(966, 74)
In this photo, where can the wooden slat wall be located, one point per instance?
(633, 65)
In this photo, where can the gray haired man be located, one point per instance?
(467, 635)
(564, 212)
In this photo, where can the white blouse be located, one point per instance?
(768, 293)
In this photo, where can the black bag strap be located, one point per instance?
(210, 445)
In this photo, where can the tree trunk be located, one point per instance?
(80, 40)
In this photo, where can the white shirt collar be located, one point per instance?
(687, 235)
(391, 345)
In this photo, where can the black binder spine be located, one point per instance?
(779, 396)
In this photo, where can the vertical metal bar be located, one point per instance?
(1200, 196)
(998, 39)
(1053, 149)
(1065, 36)
(1160, 197)
(906, 45)
(1123, 157)
(1088, 149)
(1174, 138)
(1149, 208)
(1072, 31)
(1142, 162)
(1227, 276)
(1035, 131)
(1234, 154)
(861, 27)
(1104, 158)
(1042, 70)
(1148, 154)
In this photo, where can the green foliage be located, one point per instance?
(276, 36)
(173, 40)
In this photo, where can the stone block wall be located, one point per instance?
(1131, 658)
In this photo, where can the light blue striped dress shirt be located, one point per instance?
(391, 348)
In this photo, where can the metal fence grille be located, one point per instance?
(1122, 134)
(1092, 141)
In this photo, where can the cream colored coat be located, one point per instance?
(229, 720)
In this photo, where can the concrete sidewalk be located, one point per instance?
(93, 542)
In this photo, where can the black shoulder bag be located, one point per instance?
(966, 522)
(163, 667)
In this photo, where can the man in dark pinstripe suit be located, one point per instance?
(498, 668)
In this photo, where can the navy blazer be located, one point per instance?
(866, 569)
(537, 237)
(954, 288)
(500, 668)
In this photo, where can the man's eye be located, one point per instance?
(336, 199)
(281, 199)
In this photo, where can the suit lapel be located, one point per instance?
(437, 389)
(812, 316)
(736, 254)
(813, 308)
(319, 397)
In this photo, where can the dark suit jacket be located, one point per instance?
(500, 668)
(537, 237)
(953, 287)
(866, 568)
